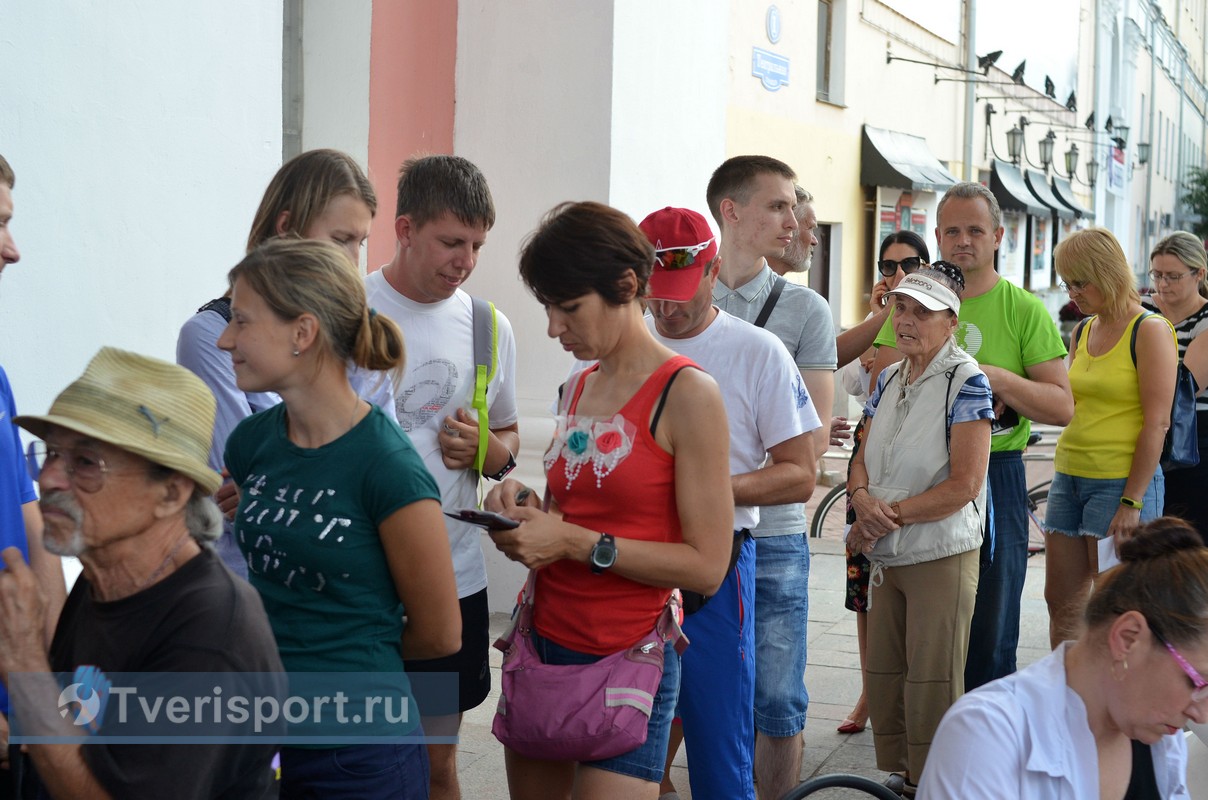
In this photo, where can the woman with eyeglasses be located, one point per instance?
(1122, 366)
(1178, 269)
(1101, 716)
(902, 252)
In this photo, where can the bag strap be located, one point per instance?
(770, 303)
(486, 361)
(220, 306)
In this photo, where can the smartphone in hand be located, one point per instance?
(484, 519)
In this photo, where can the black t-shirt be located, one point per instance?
(1143, 785)
(200, 618)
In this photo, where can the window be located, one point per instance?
(830, 50)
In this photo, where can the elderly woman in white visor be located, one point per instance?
(918, 488)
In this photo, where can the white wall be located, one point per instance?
(534, 106)
(335, 58)
(142, 135)
(670, 89)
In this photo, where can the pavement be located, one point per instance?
(832, 677)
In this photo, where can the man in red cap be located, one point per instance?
(770, 414)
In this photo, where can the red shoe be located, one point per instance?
(851, 726)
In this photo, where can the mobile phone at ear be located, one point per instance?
(484, 519)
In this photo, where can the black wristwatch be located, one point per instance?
(604, 554)
(508, 467)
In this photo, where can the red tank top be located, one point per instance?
(608, 475)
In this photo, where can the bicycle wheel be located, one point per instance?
(831, 514)
(1038, 497)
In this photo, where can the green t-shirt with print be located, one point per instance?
(1006, 327)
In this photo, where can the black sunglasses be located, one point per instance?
(908, 265)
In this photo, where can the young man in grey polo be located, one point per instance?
(753, 198)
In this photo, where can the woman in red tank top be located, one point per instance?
(638, 473)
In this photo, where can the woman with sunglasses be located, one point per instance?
(1122, 366)
(1178, 269)
(1101, 716)
(902, 252)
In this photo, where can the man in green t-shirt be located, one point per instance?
(1014, 339)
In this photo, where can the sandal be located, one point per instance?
(851, 726)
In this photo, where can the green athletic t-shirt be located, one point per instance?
(1006, 327)
(308, 525)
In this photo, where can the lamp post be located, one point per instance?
(1014, 144)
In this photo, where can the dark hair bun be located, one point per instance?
(951, 270)
(1161, 537)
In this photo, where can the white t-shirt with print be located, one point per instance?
(439, 379)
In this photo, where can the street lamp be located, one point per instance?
(1014, 144)
(1071, 159)
(1092, 172)
(1046, 150)
(1142, 153)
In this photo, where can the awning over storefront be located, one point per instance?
(1013, 194)
(1065, 195)
(1039, 185)
(901, 161)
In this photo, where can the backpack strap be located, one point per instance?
(1076, 336)
(220, 306)
(770, 303)
(486, 361)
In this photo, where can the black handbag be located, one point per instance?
(1182, 446)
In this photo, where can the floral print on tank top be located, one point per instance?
(602, 443)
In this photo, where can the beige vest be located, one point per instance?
(907, 453)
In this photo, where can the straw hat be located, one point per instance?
(160, 411)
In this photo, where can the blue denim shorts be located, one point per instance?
(782, 573)
(1085, 506)
(648, 761)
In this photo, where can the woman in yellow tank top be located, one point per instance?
(1107, 478)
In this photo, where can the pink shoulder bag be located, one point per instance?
(579, 712)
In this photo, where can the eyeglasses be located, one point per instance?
(888, 267)
(679, 257)
(1200, 692)
(1170, 277)
(1073, 286)
(84, 467)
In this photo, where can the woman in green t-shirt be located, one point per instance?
(338, 517)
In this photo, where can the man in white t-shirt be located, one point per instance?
(770, 414)
(443, 214)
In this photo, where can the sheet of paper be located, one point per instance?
(1107, 553)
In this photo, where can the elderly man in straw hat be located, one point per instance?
(126, 488)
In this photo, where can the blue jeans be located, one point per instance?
(718, 688)
(782, 603)
(648, 761)
(994, 632)
(356, 772)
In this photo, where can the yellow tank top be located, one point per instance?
(1100, 439)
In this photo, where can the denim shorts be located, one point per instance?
(782, 573)
(1085, 506)
(648, 761)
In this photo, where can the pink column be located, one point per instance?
(412, 58)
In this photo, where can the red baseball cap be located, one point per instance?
(684, 245)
